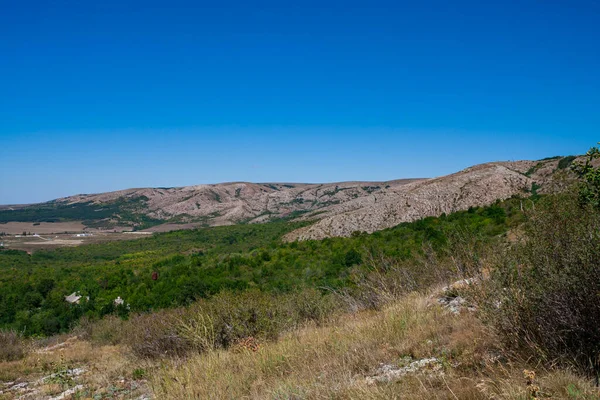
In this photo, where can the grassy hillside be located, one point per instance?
(343, 360)
(340, 359)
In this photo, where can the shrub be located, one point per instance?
(543, 297)
(386, 279)
(589, 188)
(382, 280)
(224, 320)
(12, 346)
(156, 334)
(229, 317)
(106, 331)
(311, 305)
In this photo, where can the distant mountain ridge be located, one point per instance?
(338, 208)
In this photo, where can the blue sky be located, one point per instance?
(98, 96)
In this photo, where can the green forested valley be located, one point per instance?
(176, 268)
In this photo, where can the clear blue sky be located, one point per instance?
(106, 95)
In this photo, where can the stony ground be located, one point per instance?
(72, 368)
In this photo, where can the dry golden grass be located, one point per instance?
(332, 362)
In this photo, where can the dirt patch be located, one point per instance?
(15, 228)
(51, 241)
(56, 242)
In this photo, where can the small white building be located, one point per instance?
(75, 297)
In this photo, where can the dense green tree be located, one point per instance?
(589, 192)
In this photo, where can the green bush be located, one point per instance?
(544, 297)
(224, 320)
(589, 187)
(566, 162)
(229, 317)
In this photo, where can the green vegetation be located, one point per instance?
(566, 162)
(543, 292)
(56, 212)
(224, 321)
(534, 168)
(563, 163)
(370, 189)
(196, 264)
(216, 196)
(126, 210)
(534, 189)
(589, 191)
(542, 295)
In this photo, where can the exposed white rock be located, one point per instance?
(449, 299)
(69, 372)
(75, 298)
(67, 393)
(391, 373)
(456, 304)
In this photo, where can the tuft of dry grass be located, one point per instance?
(109, 330)
(12, 346)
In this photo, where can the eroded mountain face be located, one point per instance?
(475, 186)
(241, 202)
(339, 208)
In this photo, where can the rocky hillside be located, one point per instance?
(475, 186)
(237, 202)
(339, 208)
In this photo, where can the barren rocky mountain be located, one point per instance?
(338, 208)
(237, 202)
(475, 186)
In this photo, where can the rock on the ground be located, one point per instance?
(64, 395)
(390, 373)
